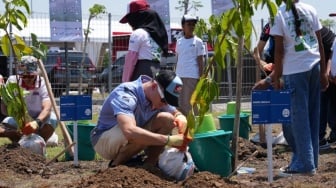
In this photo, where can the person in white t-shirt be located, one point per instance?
(190, 61)
(148, 41)
(37, 100)
(299, 60)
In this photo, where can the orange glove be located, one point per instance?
(180, 122)
(30, 128)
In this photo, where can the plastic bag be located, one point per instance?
(33, 142)
(176, 163)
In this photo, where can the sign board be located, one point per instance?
(218, 7)
(76, 107)
(271, 106)
(65, 20)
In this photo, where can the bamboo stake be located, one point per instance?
(241, 164)
(66, 135)
(63, 151)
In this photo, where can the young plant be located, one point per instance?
(95, 11)
(12, 94)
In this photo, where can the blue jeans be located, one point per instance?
(302, 134)
(328, 110)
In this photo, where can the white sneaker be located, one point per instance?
(255, 138)
(280, 139)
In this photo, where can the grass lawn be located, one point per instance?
(55, 150)
(52, 151)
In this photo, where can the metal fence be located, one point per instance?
(98, 47)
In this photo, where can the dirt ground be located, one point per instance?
(21, 168)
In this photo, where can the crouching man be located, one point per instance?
(140, 116)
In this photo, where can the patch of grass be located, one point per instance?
(52, 151)
(4, 141)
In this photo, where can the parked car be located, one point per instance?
(167, 63)
(62, 74)
(116, 73)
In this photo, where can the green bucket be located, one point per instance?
(85, 148)
(231, 107)
(207, 125)
(211, 152)
(226, 123)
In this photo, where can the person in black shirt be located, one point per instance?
(266, 64)
(328, 97)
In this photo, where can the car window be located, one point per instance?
(120, 61)
(73, 57)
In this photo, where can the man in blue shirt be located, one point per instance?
(140, 115)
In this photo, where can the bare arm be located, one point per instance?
(136, 134)
(200, 62)
(46, 110)
(131, 59)
(278, 61)
(323, 67)
(257, 53)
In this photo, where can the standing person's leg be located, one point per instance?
(314, 111)
(188, 88)
(262, 134)
(287, 127)
(303, 155)
(332, 112)
(323, 144)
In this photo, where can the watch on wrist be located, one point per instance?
(39, 122)
(268, 79)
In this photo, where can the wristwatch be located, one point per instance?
(268, 79)
(39, 122)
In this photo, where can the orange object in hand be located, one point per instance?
(30, 128)
(181, 123)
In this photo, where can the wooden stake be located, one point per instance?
(58, 155)
(66, 135)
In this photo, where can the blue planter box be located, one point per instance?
(271, 106)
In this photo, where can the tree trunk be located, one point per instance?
(238, 102)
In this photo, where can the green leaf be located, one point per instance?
(272, 9)
(19, 40)
(39, 49)
(22, 17)
(5, 45)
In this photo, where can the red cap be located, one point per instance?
(135, 6)
(332, 14)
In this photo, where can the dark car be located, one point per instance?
(116, 73)
(64, 72)
(168, 62)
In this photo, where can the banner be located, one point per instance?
(218, 7)
(65, 20)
